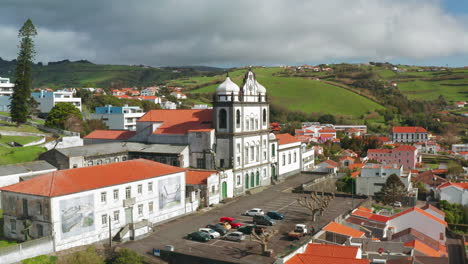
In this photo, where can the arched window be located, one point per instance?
(238, 118)
(273, 152)
(264, 117)
(222, 118)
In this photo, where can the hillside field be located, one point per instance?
(303, 94)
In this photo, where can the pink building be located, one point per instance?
(405, 155)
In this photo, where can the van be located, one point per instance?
(263, 220)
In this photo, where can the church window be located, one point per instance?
(289, 158)
(246, 154)
(273, 150)
(256, 123)
(258, 153)
(238, 118)
(246, 124)
(264, 117)
(284, 159)
(251, 123)
(295, 157)
(222, 118)
(252, 154)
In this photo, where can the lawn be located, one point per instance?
(19, 154)
(308, 95)
(18, 139)
(42, 259)
(3, 242)
(23, 128)
(452, 90)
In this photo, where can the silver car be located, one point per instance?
(235, 236)
(254, 211)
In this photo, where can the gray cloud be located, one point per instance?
(187, 32)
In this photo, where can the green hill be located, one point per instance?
(296, 93)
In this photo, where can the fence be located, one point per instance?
(28, 249)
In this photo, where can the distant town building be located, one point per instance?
(168, 105)
(289, 154)
(405, 155)
(47, 100)
(373, 178)
(118, 117)
(409, 134)
(6, 91)
(454, 192)
(459, 147)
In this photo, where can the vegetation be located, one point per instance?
(89, 256)
(393, 189)
(18, 139)
(64, 116)
(346, 184)
(20, 154)
(125, 256)
(454, 213)
(4, 242)
(42, 259)
(315, 203)
(21, 98)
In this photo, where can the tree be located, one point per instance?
(60, 113)
(454, 169)
(125, 256)
(263, 239)
(393, 189)
(21, 97)
(315, 203)
(327, 119)
(93, 124)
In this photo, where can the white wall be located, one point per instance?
(421, 223)
(289, 165)
(453, 194)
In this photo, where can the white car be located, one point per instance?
(397, 204)
(254, 211)
(235, 236)
(211, 232)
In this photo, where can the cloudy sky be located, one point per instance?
(236, 33)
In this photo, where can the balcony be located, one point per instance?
(129, 202)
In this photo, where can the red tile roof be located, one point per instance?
(332, 163)
(325, 250)
(347, 158)
(419, 210)
(77, 180)
(286, 139)
(311, 259)
(405, 148)
(423, 248)
(327, 130)
(355, 174)
(198, 176)
(342, 229)
(433, 208)
(408, 130)
(111, 134)
(461, 185)
(365, 209)
(327, 135)
(180, 121)
(379, 151)
(369, 215)
(355, 166)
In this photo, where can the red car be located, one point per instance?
(231, 221)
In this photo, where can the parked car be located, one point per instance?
(275, 215)
(263, 220)
(231, 221)
(199, 236)
(250, 228)
(254, 211)
(397, 204)
(235, 236)
(226, 225)
(299, 231)
(211, 232)
(218, 228)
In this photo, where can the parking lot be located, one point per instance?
(275, 198)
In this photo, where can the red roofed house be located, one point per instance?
(409, 134)
(405, 155)
(179, 95)
(326, 254)
(204, 182)
(106, 136)
(289, 155)
(76, 206)
(454, 192)
(421, 220)
(328, 166)
(373, 177)
(346, 161)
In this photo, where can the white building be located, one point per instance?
(179, 95)
(409, 134)
(454, 192)
(328, 166)
(289, 155)
(308, 158)
(150, 91)
(374, 176)
(47, 100)
(119, 117)
(6, 91)
(459, 147)
(168, 105)
(78, 206)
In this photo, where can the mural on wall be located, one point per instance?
(170, 192)
(77, 215)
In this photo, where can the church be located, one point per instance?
(233, 137)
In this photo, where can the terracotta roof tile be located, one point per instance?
(423, 248)
(179, 121)
(311, 259)
(405, 148)
(461, 185)
(408, 130)
(70, 181)
(342, 229)
(331, 251)
(111, 134)
(286, 139)
(198, 176)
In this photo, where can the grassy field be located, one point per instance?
(304, 94)
(18, 139)
(452, 90)
(23, 128)
(20, 154)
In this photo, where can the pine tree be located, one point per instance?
(393, 190)
(21, 98)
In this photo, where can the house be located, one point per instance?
(318, 150)
(461, 104)
(308, 158)
(405, 155)
(150, 91)
(454, 192)
(462, 155)
(428, 147)
(409, 134)
(118, 117)
(105, 153)
(150, 98)
(328, 166)
(459, 147)
(336, 228)
(430, 180)
(6, 91)
(373, 177)
(47, 100)
(179, 95)
(77, 207)
(289, 155)
(107, 136)
(324, 253)
(346, 161)
(168, 105)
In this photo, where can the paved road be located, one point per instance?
(277, 197)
